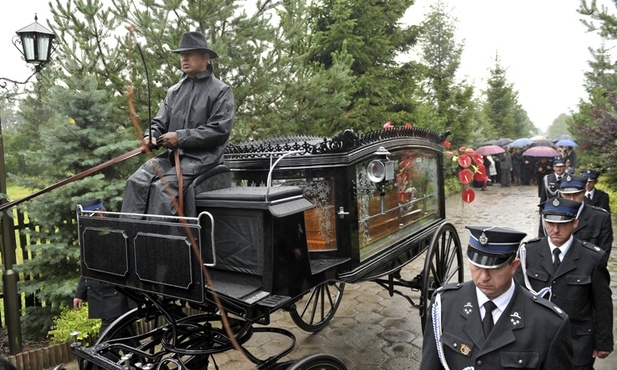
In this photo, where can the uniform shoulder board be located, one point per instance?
(591, 246)
(598, 208)
(550, 305)
(452, 286)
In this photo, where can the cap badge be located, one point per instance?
(465, 350)
(556, 202)
(568, 178)
(483, 239)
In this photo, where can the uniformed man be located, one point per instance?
(551, 182)
(574, 276)
(529, 332)
(550, 187)
(594, 224)
(593, 195)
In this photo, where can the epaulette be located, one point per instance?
(550, 305)
(597, 208)
(451, 286)
(534, 240)
(591, 246)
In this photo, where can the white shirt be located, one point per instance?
(501, 302)
(564, 248)
(589, 194)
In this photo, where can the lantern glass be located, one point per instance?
(28, 41)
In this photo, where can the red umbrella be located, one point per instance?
(541, 151)
(490, 150)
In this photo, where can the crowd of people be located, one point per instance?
(513, 168)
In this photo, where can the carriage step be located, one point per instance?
(274, 301)
(321, 265)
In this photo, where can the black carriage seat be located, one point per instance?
(255, 232)
(216, 177)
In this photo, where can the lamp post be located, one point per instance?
(36, 48)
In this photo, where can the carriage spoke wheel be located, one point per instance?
(315, 309)
(443, 265)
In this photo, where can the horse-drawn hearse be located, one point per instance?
(282, 224)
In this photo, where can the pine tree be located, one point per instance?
(371, 32)
(441, 55)
(501, 103)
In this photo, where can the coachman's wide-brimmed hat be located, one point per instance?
(194, 41)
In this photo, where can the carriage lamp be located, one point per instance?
(380, 171)
(382, 168)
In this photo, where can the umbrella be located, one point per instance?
(543, 142)
(541, 151)
(489, 150)
(520, 143)
(502, 142)
(566, 142)
(489, 142)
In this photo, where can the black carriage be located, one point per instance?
(282, 224)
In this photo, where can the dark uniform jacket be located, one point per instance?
(550, 188)
(600, 199)
(104, 301)
(595, 227)
(580, 287)
(531, 333)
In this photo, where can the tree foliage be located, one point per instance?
(452, 101)
(594, 125)
(371, 32)
(507, 117)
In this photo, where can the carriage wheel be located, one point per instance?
(314, 310)
(443, 265)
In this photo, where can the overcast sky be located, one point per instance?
(542, 44)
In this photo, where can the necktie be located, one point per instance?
(487, 323)
(557, 261)
(589, 196)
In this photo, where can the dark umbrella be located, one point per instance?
(489, 150)
(520, 143)
(541, 151)
(502, 142)
(566, 142)
(543, 142)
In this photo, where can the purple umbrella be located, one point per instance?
(541, 151)
(489, 150)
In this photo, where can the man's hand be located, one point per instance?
(600, 354)
(149, 142)
(169, 140)
(77, 303)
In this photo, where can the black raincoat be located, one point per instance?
(201, 110)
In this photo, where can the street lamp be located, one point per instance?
(36, 42)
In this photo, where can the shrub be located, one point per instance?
(71, 320)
